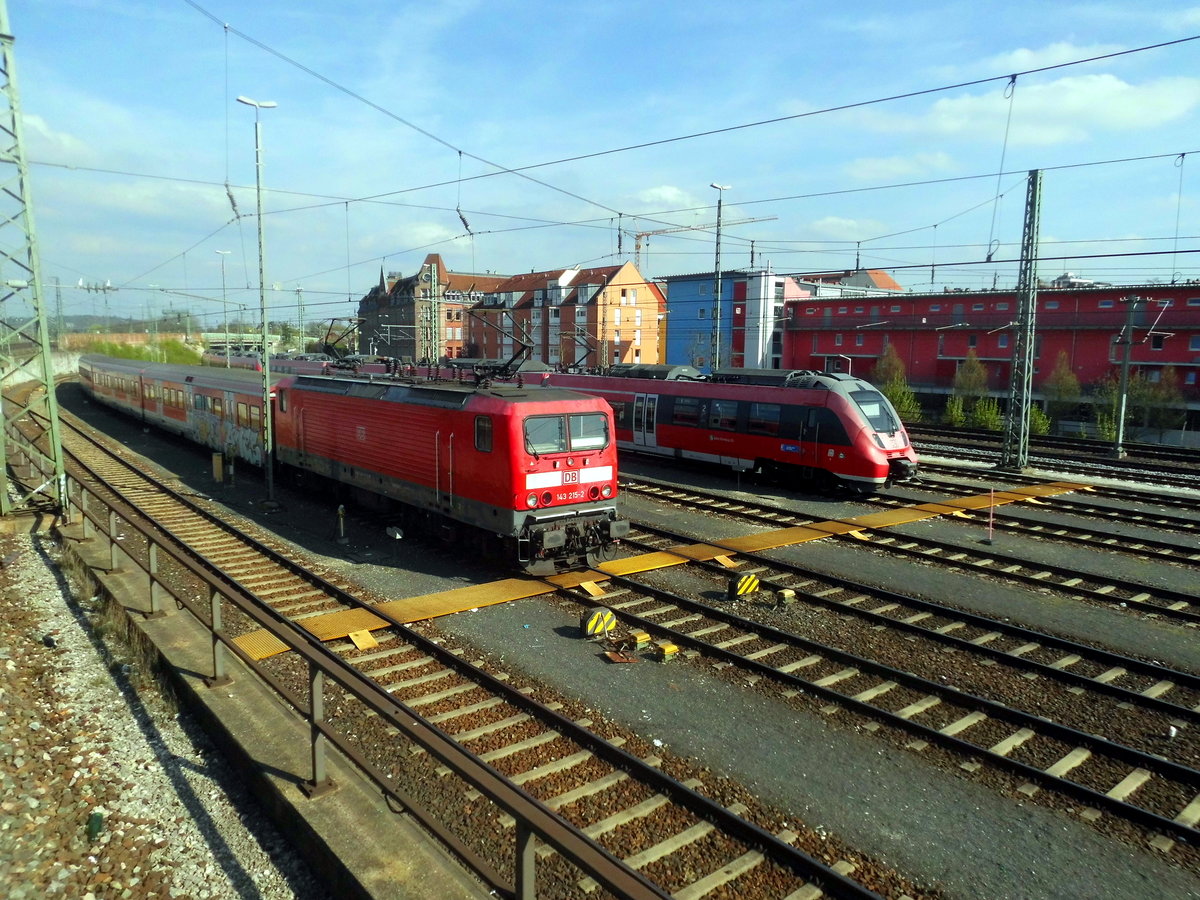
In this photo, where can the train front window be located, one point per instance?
(589, 431)
(876, 409)
(545, 434)
(559, 434)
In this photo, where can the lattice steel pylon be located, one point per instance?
(24, 336)
(1015, 451)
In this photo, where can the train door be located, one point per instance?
(645, 411)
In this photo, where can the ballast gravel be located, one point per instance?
(106, 791)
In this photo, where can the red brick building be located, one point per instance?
(933, 333)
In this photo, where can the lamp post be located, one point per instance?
(262, 299)
(716, 325)
(224, 303)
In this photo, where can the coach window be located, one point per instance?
(255, 417)
(764, 418)
(199, 402)
(243, 415)
(686, 412)
(722, 414)
(218, 406)
(483, 434)
(588, 431)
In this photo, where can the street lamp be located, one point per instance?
(716, 329)
(262, 298)
(225, 303)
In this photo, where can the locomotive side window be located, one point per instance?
(764, 418)
(589, 431)
(545, 434)
(483, 434)
(876, 410)
(722, 415)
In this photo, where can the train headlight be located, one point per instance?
(531, 501)
(547, 498)
(593, 492)
(606, 491)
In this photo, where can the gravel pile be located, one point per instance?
(105, 790)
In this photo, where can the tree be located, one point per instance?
(1061, 389)
(889, 375)
(970, 381)
(1166, 410)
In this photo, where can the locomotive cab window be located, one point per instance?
(589, 431)
(483, 434)
(559, 434)
(545, 434)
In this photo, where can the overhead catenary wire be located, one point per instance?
(471, 233)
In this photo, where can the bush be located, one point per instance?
(986, 414)
(1039, 422)
(954, 414)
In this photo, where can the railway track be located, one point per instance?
(1179, 475)
(1086, 723)
(1124, 494)
(686, 836)
(1109, 589)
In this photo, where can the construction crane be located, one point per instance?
(637, 237)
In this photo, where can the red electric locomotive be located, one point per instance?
(530, 470)
(822, 427)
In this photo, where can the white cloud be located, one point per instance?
(1066, 110)
(874, 169)
(841, 229)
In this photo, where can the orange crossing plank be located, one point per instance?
(413, 609)
(260, 644)
(768, 540)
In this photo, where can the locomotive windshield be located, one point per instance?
(877, 410)
(560, 434)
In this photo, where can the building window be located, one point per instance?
(702, 313)
(1051, 304)
(837, 340)
(972, 341)
(1002, 341)
(1157, 341)
(1105, 304)
(1194, 343)
(858, 339)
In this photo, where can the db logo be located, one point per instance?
(570, 478)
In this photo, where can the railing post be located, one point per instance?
(526, 886)
(156, 590)
(114, 566)
(321, 783)
(219, 677)
(89, 530)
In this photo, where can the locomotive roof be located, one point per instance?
(447, 394)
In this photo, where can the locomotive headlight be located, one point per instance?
(547, 498)
(531, 501)
(606, 491)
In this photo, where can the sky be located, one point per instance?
(519, 135)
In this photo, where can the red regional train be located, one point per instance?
(819, 427)
(532, 470)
